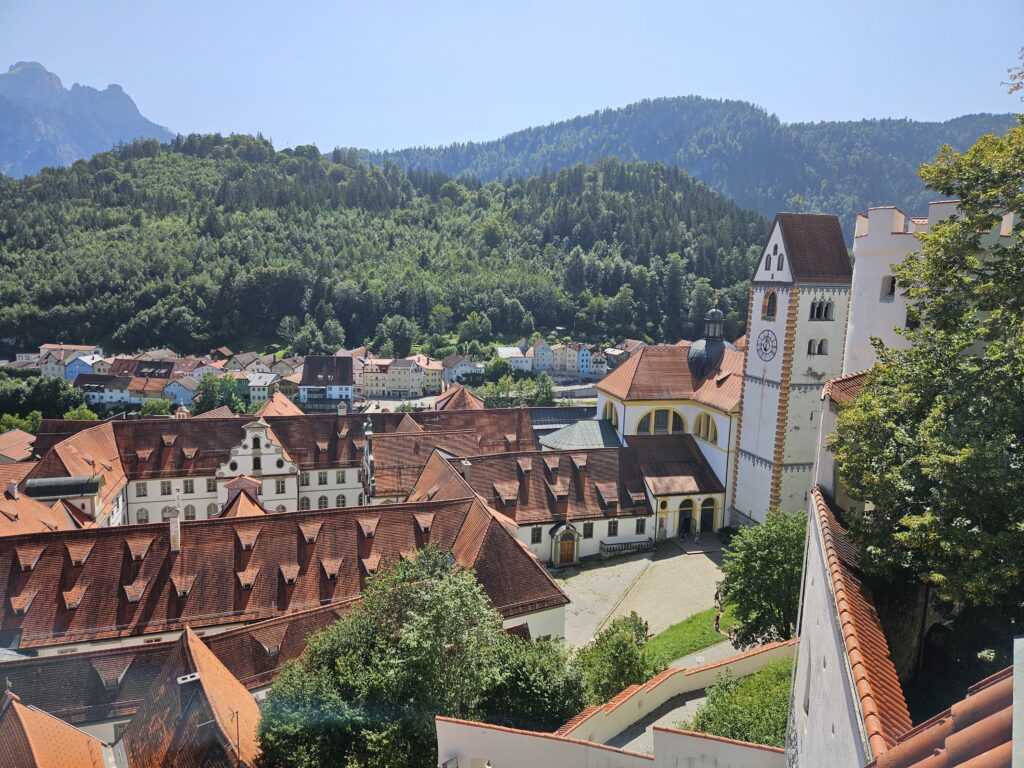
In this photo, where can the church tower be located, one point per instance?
(796, 327)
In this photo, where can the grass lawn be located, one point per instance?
(690, 635)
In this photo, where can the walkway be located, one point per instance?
(639, 737)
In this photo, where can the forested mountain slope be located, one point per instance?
(212, 239)
(735, 147)
(44, 124)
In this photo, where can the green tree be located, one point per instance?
(617, 658)
(27, 423)
(753, 708)
(543, 391)
(82, 413)
(423, 641)
(158, 407)
(475, 327)
(761, 577)
(933, 438)
(397, 333)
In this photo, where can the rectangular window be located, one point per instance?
(304, 478)
(339, 477)
(279, 487)
(661, 422)
(613, 527)
(535, 534)
(588, 530)
(641, 525)
(140, 490)
(190, 486)
(165, 487)
(211, 485)
(321, 478)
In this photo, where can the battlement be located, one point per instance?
(886, 220)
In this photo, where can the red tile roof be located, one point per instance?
(31, 738)
(16, 444)
(662, 373)
(229, 569)
(844, 388)
(20, 513)
(882, 705)
(974, 732)
(188, 720)
(278, 405)
(815, 247)
(457, 397)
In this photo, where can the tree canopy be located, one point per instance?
(935, 438)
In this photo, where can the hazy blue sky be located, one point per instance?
(393, 74)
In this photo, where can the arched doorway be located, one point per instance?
(565, 546)
(685, 517)
(707, 516)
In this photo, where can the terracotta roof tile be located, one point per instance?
(31, 738)
(662, 373)
(457, 397)
(278, 404)
(843, 389)
(16, 444)
(883, 707)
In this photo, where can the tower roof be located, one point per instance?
(815, 247)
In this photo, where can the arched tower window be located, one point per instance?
(768, 262)
(829, 310)
(814, 309)
(769, 306)
(823, 347)
(779, 262)
(256, 443)
(812, 346)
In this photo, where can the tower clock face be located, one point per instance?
(767, 345)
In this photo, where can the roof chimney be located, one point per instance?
(175, 524)
(464, 469)
(12, 489)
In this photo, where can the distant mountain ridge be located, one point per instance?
(42, 123)
(734, 147)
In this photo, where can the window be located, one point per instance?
(339, 477)
(211, 510)
(661, 422)
(211, 485)
(829, 310)
(321, 503)
(142, 516)
(360, 499)
(769, 306)
(613, 527)
(321, 478)
(190, 486)
(165, 487)
(588, 530)
(255, 443)
(706, 429)
(304, 502)
(644, 427)
(257, 465)
(812, 346)
(823, 347)
(304, 478)
(140, 490)
(190, 512)
(779, 262)
(641, 525)
(888, 288)
(233, 466)
(165, 514)
(768, 262)
(280, 463)
(678, 425)
(280, 508)
(279, 487)
(535, 534)
(341, 501)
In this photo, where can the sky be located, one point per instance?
(387, 75)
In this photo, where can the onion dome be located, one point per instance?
(705, 354)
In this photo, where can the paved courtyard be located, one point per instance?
(664, 587)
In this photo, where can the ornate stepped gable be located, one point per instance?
(243, 569)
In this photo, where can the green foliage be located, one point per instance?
(423, 641)
(508, 392)
(27, 423)
(933, 440)
(215, 238)
(215, 391)
(51, 396)
(690, 635)
(81, 413)
(751, 709)
(395, 336)
(475, 327)
(158, 407)
(539, 689)
(734, 147)
(761, 577)
(618, 657)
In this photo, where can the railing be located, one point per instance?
(628, 546)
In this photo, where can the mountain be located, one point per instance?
(44, 124)
(210, 239)
(734, 147)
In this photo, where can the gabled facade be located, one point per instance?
(796, 326)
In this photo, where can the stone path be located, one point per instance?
(717, 652)
(639, 737)
(664, 587)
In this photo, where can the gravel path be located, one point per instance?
(594, 589)
(717, 652)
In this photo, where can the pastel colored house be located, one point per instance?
(181, 391)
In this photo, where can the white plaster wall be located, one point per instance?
(591, 546)
(824, 705)
(825, 462)
(475, 746)
(769, 271)
(676, 749)
(547, 623)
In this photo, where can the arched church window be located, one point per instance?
(321, 503)
(644, 426)
(812, 347)
(829, 310)
(705, 428)
(823, 347)
(769, 306)
(768, 262)
(678, 425)
(304, 503)
(661, 422)
(779, 262)
(255, 443)
(190, 512)
(814, 309)
(340, 501)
